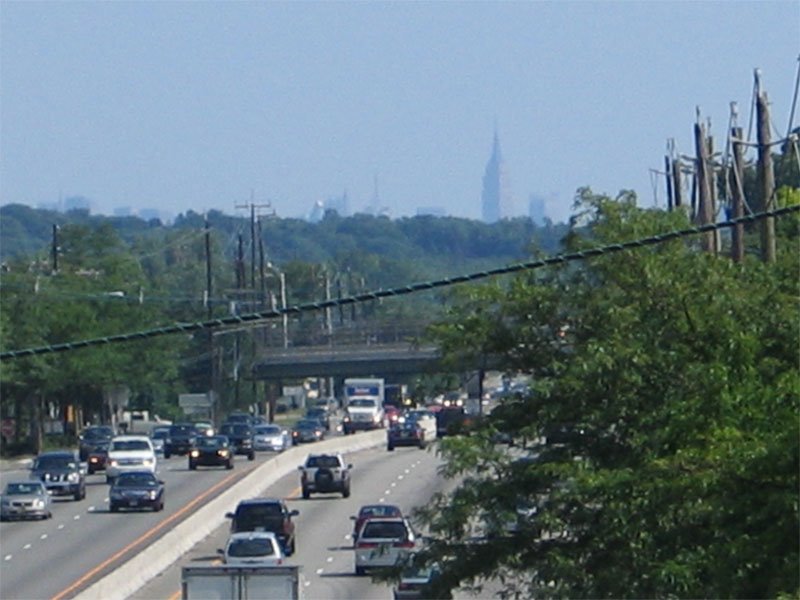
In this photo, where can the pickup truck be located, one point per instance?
(241, 583)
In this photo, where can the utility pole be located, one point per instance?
(208, 267)
(55, 249)
(737, 177)
(253, 206)
(668, 174)
(704, 208)
(677, 189)
(766, 178)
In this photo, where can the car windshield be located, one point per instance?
(98, 433)
(136, 480)
(24, 489)
(55, 462)
(325, 462)
(160, 434)
(182, 430)
(363, 403)
(129, 445)
(241, 548)
(307, 424)
(395, 530)
(236, 429)
(268, 430)
(211, 442)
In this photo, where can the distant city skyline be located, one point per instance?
(178, 106)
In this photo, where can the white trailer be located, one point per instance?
(220, 582)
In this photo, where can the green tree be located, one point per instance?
(672, 376)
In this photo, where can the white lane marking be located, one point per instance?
(8, 557)
(61, 526)
(307, 583)
(387, 492)
(26, 547)
(43, 536)
(408, 471)
(91, 509)
(400, 476)
(394, 484)
(382, 500)
(319, 571)
(76, 517)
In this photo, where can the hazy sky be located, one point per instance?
(198, 105)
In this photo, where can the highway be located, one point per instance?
(60, 557)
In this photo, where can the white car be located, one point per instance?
(383, 542)
(271, 437)
(130, 453)
(253, 549)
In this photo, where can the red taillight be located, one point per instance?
(406, 544)
(404, 586)
(366, 545)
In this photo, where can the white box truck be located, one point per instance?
(364, 398)
(220, 582)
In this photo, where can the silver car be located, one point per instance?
(271, 437)
(25, 500)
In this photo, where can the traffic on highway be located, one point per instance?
(85, 537)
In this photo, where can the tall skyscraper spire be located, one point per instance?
(496, 199)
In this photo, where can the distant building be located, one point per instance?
(123, 211)
(341, 204)
(77, 203)
(317, 212)
(496, 198)
(431, 211)
(536, 209)
(152, 214)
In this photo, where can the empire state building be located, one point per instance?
(496, 197)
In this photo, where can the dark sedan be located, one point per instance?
(97, 458)
(307, 430)
(211, 451)
(405, 433)
(93, 437)
(136, 490)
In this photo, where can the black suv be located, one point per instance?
(180, 440)
(61, 473)
(266, 514)
(94, 437)
(241, 438)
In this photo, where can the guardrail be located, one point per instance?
(139, 570)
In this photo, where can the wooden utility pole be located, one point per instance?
(208, 268)
(55, 249)
(704, 208)
(668, 174)
(677, 184)
(766, 178)
(736, 180)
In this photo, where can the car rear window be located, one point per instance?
(325, 462)
(130, 445)
(395, 530)
(255, 511)
(251, 547)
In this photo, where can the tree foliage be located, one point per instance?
(668, 382)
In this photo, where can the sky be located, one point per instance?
(181, 106)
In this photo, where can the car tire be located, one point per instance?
(360, 571)
(192, 466)
(290, 549)
(422, 444)
(109, 479)
(306, 493)
(390, 447)
(167, 454)
(113, 507)
(251, 456)
(159, 507)
(90, 471)
(229, 465)
(346, 491)
(79, 495)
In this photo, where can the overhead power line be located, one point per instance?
(254, 318)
